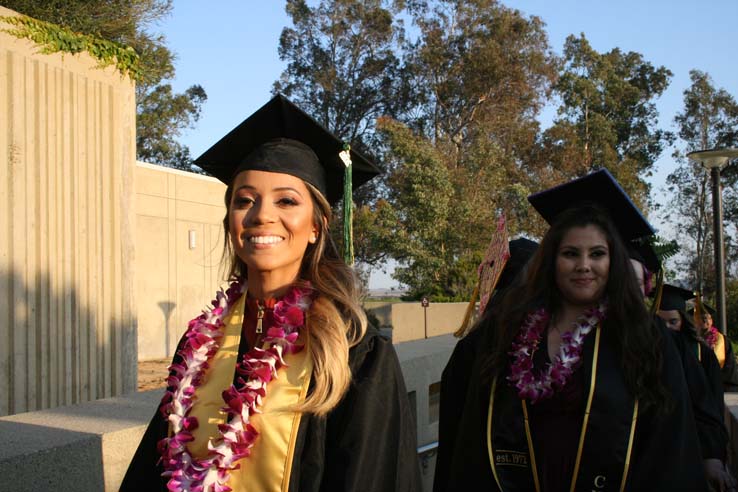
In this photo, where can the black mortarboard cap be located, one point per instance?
(521, 251)
(706, 307)
(280, 137)
(599, 188)
(643, 252)
(674, 298)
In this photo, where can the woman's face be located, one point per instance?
(707, 320)
(271, 222)
(672, 318)
(583, 265)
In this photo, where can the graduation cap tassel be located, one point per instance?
(348, 213)
(698, 309)
(659, 292)
(466, 324)
(488, 274)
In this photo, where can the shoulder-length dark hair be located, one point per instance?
(628, 326)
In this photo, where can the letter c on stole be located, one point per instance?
(599, 482)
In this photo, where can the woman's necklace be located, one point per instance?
(256, 369)
(537, 387)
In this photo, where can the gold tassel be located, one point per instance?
(698, 310)
(467, 323)
(659, 292)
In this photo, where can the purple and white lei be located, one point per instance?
(711, 336)
(537, 387)
(256, 369)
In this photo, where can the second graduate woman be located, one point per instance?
(580, 390)
(281, 386)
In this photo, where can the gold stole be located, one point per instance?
(720, 349)
(269, 466)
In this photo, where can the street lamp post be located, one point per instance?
(713, 160)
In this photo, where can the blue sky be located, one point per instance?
(230, 48)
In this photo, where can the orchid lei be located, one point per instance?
(711, 336)
(554, 376)
(256, 369)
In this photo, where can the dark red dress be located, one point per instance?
(555, 427)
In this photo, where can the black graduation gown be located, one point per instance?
(454, 385)
(705, 392)
(367, 443)
(665, 452)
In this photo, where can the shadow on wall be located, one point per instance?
(54, 349)
(167, 307)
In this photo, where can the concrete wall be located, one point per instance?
(179, 241)
(422, 363)
(411, 321)
(88, 447)
(67, 154)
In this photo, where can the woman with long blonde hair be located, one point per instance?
(281, 386)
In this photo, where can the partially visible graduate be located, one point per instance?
(579, 389)
(282, 386)
(719, 343)
(673, 310)
(707, 406)
(457, 373)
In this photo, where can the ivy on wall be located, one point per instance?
(52, 38)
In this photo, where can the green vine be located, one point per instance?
(52, 38)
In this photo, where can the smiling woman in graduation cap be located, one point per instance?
(281, 386)
(580, 390)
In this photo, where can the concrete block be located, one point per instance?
(75, 448)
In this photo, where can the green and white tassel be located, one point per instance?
(348, 213)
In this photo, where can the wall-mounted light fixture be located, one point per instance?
(192, 239)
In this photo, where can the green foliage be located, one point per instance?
(481, 72)
(161, 117)
(709, 119)
(161, 114)
(343, 69)
(608, 117)
(452, 116)
(663, 248)
(53, 39)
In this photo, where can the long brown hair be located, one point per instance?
(335, 321)
(628, 327)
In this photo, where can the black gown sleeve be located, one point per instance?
(368, 442)
(454, 385)
(466, 464)
(706, 407)
(144, 471)
(666, 448)
(714, 376)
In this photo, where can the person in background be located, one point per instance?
(672, 310)
(720, 344)
(281, 386)
(706, 406)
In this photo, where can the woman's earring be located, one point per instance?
(313, 238)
